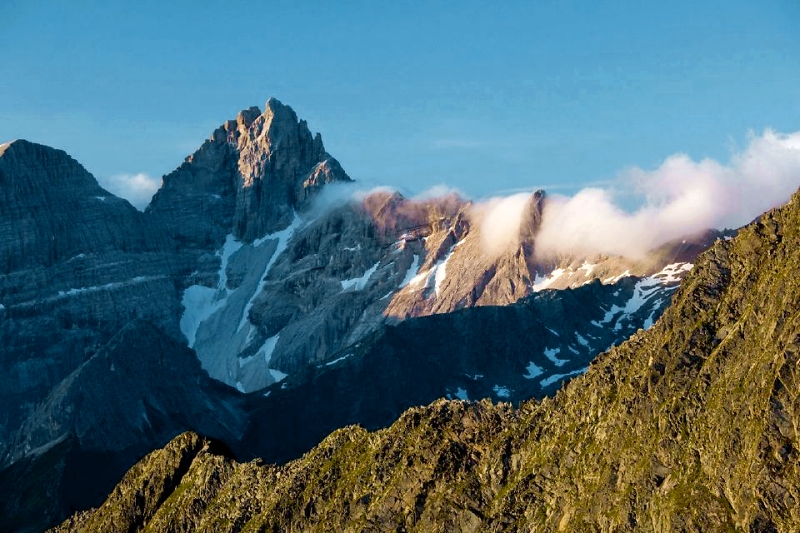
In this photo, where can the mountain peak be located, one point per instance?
(276, 106)
(6, 145)
(700, 412)
(23, 146)
(249, 177)
(246, 116)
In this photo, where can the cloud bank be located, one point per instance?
(679, 198)
(500, 220)
(138, 189)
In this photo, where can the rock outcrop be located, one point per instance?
(247, 180)
(344, 273)
(690, 426)
(141, 387)
(236, 263)
(76, 265)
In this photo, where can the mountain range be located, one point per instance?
(688, 426)
(263, 301)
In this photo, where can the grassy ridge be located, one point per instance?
(691, 426)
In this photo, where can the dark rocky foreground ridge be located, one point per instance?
(113, 320)
(690, 426)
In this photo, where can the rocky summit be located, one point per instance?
(689, 426)
(264, 301)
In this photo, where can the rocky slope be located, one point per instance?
(242, 262)
(246, 180)
(509, 353)
(506, 353)
(690, 426)
(141, 387)
(76, 264)
(301, 295)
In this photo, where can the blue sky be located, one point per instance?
(468, 94)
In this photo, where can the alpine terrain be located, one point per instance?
(689, 426)
(263, 301)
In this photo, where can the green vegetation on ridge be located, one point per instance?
(690, 426)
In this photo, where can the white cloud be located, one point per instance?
(679, 198)
(500, 220)
(138, 189)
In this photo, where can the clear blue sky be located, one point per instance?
(409, 94)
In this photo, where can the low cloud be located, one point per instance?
(138, 189)
(500, 220)
(679, 198)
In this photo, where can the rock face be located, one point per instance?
(333, 278)
(507, 353)
(247, 179)
(141, 387)
(240, 263)
(689, 426)
(76, 264)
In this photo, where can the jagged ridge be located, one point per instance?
(689, 426)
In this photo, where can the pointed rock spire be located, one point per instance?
(248, 179)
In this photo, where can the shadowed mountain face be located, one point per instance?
(328, 312)
(140, 388)
(689, 426)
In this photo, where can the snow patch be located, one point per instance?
(581, 340)
(342, 358)
(440, 269)
(645, 292)
(360, 283)
(283, 237)
(533, 371)
(49, 445)
(556, 377)
(609, 316)
(587, 268)
(672, 273)
(439, 275)
(277, 375)
(433, 278)
(551, 353)
(540, 284)
(615, 279)
(110, 286)
(411, 273)
(502, 392)
(267, 348)
(200, 302)
(421, 277)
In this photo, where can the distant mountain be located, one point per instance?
(243, 270)
(689, 426)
